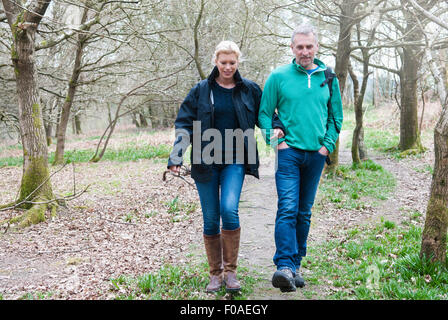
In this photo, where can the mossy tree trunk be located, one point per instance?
(72, 86)
(436, 223)
(35, 185)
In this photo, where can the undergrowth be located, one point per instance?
(355, 186)
(377, 262)
(178, 282)
(129, 153)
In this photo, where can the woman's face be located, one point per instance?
(227, 64)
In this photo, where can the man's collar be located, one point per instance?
(321, 66)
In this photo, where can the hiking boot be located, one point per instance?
(213, 249)
(298, 280)
(284, 279)
(230, 248)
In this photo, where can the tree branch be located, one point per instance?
(428, 14)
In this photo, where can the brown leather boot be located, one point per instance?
(213, 248)
(230, 247)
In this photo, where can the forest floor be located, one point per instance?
(130, 222)
(259, 207)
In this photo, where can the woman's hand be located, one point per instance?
(174, 169)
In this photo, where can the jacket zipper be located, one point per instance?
(309, 77)
(212, 103)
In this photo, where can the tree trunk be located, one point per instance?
(35, 184)
(48, 123)
(72, 86)
(362, 149)
(343, 51)
(77, 120)
(346, 22)
(155, 116)
(409, 133)
(358, 134)
(143, 122)
(358, 116)
(436, 224)
(134, 119)
(196, 42)
(411, 62)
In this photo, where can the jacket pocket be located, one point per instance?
(204, 114)
(249, 111)
(203, 111)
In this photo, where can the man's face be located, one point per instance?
(305, 48)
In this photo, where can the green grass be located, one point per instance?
(121, 155)
(354, 186)
(181, 282)
(378, 140)
(37, 296)
(379, 262)
(349, 121)
(179, 210)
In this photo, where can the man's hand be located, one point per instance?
(277, 134)
(282, 145)
(174, 169)
(324, 151)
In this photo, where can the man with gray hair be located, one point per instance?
(312, 118)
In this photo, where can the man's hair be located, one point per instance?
(227, 47)
(304, 28)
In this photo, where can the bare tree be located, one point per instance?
(72, 86)
(359, 151)
(435, 231)
(35, 185)
(409, 46)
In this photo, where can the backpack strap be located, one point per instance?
(329, 76)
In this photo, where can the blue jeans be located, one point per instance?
(297, 179)
(227, 179)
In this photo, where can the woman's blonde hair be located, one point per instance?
(228, 47)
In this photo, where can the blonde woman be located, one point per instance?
(223, 106)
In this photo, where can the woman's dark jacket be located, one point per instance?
(197, 106)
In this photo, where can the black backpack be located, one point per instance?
(329, 76)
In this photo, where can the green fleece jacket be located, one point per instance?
(301, 105)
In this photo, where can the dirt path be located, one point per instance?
(123, 226)
(259, 205)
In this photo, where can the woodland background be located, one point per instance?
(78, 79)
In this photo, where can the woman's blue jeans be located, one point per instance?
(297, 178)
(220, 198)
